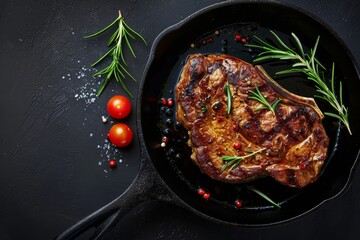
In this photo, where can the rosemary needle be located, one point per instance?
(229, 97)
(235, 160)
(308, 64)
(258, 96)
(263, 195)
(117, 68)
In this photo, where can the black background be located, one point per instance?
(52, 138)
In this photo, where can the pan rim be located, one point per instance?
(175, 27)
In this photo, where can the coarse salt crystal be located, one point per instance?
(104, 119)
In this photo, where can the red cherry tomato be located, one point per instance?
(120, 135)
(119, 107)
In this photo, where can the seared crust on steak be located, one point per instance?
(294, 140)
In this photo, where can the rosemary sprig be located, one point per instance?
(235, 160)
(308, 64)
(117, 67)
(258, 96)
(229, 97)
(263, 195)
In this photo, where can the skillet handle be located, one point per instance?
(147, 186)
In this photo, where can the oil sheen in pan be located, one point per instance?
(178, 153)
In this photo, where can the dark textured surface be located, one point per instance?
(50, 176)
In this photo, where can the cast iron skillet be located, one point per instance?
(168, 174)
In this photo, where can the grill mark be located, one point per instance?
(283, 123)
(196, 72)
(213, 66)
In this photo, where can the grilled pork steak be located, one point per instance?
(293, 140)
